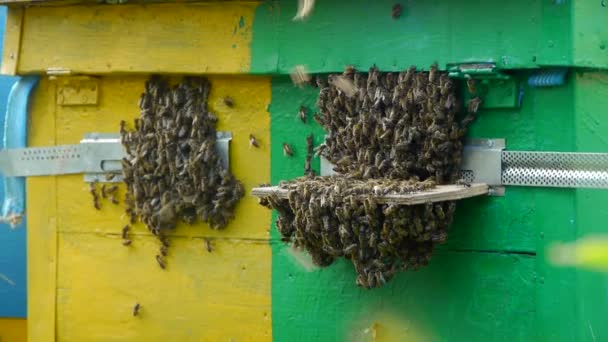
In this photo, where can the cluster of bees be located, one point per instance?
(172, 170)
(386, 133)
(105, 192)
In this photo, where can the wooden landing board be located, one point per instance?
(439, 194)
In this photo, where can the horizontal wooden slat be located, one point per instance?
(439, 194)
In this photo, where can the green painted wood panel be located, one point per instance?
(488, 260)
(501, 287)
(591, 101)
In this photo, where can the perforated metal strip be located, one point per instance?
(555, 169)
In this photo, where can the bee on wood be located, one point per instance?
(299, 76)
(208, 245)
(287, 151)
(93, 191)
(110, 176)
(474, 104)
(471, 85)
(123, 124)
(126, 242)
(309, 153)
(253, 141)
(433, 73)
(133, 218)
(396, 11)
(136, 309)
(302, 113)
(160, 261)
(163, 250)
(464, 183)
(349, 71)
(114, 199)
(229, 102)
(125, 231)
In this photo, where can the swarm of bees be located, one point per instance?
(172, 170)
(386, 133)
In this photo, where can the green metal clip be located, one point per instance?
(498, 90)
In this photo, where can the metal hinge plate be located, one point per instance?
(485, 161)
(97, 155)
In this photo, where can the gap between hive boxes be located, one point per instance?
(440, 193)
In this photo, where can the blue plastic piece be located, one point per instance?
(13, 250)
(548, 78)
(15, 136)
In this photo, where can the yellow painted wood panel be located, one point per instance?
(13, 330)
(221, 295)
(211, 37)
(41, 222)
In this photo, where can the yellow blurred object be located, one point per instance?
(13, 329)
(590, 252)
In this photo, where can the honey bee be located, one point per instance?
(96, 203)
(349, 71)
(160, 261)
(299, 75)
(433, 73)
(136, 309)
(114, 199)
(253, 141)
(302, 114)
(133, 218)
(471, 85)
(163, 250)
(126, 242)
(110, 176)
(208, 245)
(93, 191)
(229, 102)
(123, 124)
(474, 104)
(112, 189)
(464, 183)
(287, 151)
(396, 11)
(125, 231)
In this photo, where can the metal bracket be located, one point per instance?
(498, 90)
(481, 70)
(481, 162)
(97, 155)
